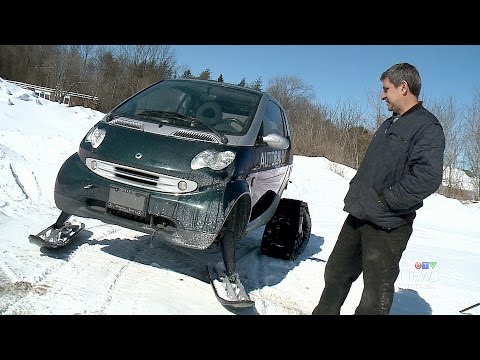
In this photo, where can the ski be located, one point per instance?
(229, 291)
(53, 237)
(470, 307)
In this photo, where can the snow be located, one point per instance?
(113, 270)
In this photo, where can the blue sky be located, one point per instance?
(337, 72)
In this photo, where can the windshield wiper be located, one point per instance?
(163, 115)
(167, 115)
(117, 115)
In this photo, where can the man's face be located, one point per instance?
(392, 95)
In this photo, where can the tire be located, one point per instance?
(287, 233)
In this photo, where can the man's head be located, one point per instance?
(401, 87)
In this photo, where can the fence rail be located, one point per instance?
(53, 91)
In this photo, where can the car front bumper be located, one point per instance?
(190, 220)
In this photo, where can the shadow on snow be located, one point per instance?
(409, 302)
(255, 269)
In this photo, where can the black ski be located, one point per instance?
(53, 237)
(229, 292)
(470, 307)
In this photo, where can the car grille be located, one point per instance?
(196, 135)
(179, 133)
(139, 178)
(138, 125)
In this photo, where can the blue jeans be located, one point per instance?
(363, 246)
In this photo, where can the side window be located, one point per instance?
(273, 120)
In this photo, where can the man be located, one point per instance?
(402, 166)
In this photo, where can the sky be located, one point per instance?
(111, 270)
(342, 71)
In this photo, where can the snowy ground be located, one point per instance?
(112, 270)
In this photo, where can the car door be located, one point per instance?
(273, 164)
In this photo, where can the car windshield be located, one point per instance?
(216, 106)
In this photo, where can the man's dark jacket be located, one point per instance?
(402, 166)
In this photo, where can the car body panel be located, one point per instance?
(141, 177)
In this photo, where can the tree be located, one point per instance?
(187, 74)
(242, 82)
(204, 75)
(110, 74)
(316, 131)
(146, 64)
(447, 113)
(290, 90)
(472, 140)
(220, 78)
(257, 84)
(378, 110)
(352, 138)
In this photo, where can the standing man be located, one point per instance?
(402, 166)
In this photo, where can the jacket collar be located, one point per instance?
(415, 107)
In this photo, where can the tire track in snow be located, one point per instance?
(99, 275)
(14, 293)
(89, 274)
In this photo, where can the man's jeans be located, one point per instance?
(363, 246)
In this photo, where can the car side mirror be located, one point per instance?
(276, 141)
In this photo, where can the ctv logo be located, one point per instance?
(425, 265)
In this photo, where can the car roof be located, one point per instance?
(217, 83)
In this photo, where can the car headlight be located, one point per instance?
(213, 159)
(95, 137)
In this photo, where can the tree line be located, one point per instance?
(339, 132)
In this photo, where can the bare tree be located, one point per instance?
(311, 130)
(110, 76)
(472, 140)
(378, 110)
(295, 97)
(16, 61)
(353, 136)
(146, 64)
(448, 115)
(290, 90)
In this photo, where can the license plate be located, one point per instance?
(129, 201)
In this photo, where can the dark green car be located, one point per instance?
(195, 162)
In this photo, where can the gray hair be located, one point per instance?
(404, 71)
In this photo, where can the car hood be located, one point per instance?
(150, 151)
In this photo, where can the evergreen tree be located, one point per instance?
(257, 84)
(242, 82)
(187, 74)
(220, 78)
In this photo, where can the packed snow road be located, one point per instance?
(108, 269)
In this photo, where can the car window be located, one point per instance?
(227, 109)
(273, 120)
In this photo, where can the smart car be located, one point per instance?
(194, 162)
